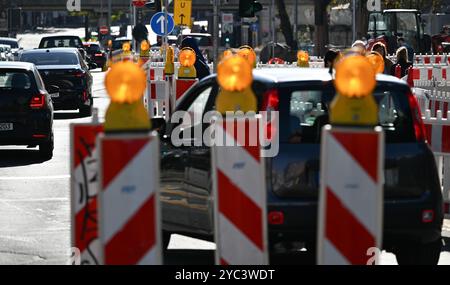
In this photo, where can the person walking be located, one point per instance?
(402, 60)
(381, 49)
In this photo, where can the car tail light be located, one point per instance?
(427, 216)
(419, 127)
(39, 136)
(276, 218)
(79, 73)
(37, 101)
(98, 54)
(84, 95)
(446, 208)
(271, 100)
(271, 103)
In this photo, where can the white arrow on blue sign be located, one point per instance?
(158, 24)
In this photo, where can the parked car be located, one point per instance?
(63, 42)
(65, 68)
(204, 41)
(26, 109)
(14, 44)
(96, 54)
(411, 190)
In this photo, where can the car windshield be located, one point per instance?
(49, 58)
(61, 42)
(201, 40)
(12, 44)
(307, 112)
(14, 80)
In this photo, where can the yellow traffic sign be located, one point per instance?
(183, 12)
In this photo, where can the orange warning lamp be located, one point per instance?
(377, 61)
(145, 46)
(249, 54)
(125, 84)
(187, 58)
(234, 73)
(355, 80)
(109, 43)
(235, 76)
(169, 67)
(355, 77)
(126, 47)
(302, 59)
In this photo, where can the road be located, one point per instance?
(34, 197)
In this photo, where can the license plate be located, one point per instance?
(6, 127)
(54, 95)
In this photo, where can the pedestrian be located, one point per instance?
(200, 63)
(402, 43)
(382, 50)
(402, 60)
(330, 58)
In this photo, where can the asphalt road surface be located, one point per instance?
(34, 196)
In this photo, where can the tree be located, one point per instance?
(285, 25)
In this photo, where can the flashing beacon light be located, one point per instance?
(126, 47)
(235, 77)
(302, 59)
(109, 43)
(144, 52)
(249, 54)
(355, 80)
(125, 84)
(187, 58)
(169, 67)
(377, 61)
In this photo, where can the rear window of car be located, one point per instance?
(303, 113)
(50, 58)
(60, 42)
(14, 80)
(92, 48)
(12, 44)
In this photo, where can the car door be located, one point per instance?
(179, 179)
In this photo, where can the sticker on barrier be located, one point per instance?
(351, 195)
(130, 230)
(84, 191)
(240, 204)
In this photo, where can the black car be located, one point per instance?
(26, 110)
(65, 68)
(96, 54)
(63, 42)
(413, 213)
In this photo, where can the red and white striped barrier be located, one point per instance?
(351, 195)
(181, 86)
(240, 196)
(84, 191)
(130, 230)
(157, 98)
(438, 132)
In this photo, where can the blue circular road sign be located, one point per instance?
(158, 24)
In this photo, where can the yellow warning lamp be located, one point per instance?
(187, 58)
(235, 77)
(377, 61)
(145, 48)
(249, 54)
(354, 104)
(125, 84)
(169, 68)
(302, 59)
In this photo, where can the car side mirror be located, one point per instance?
(52, 89)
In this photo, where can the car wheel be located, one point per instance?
(419, 254)
(46, 149)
